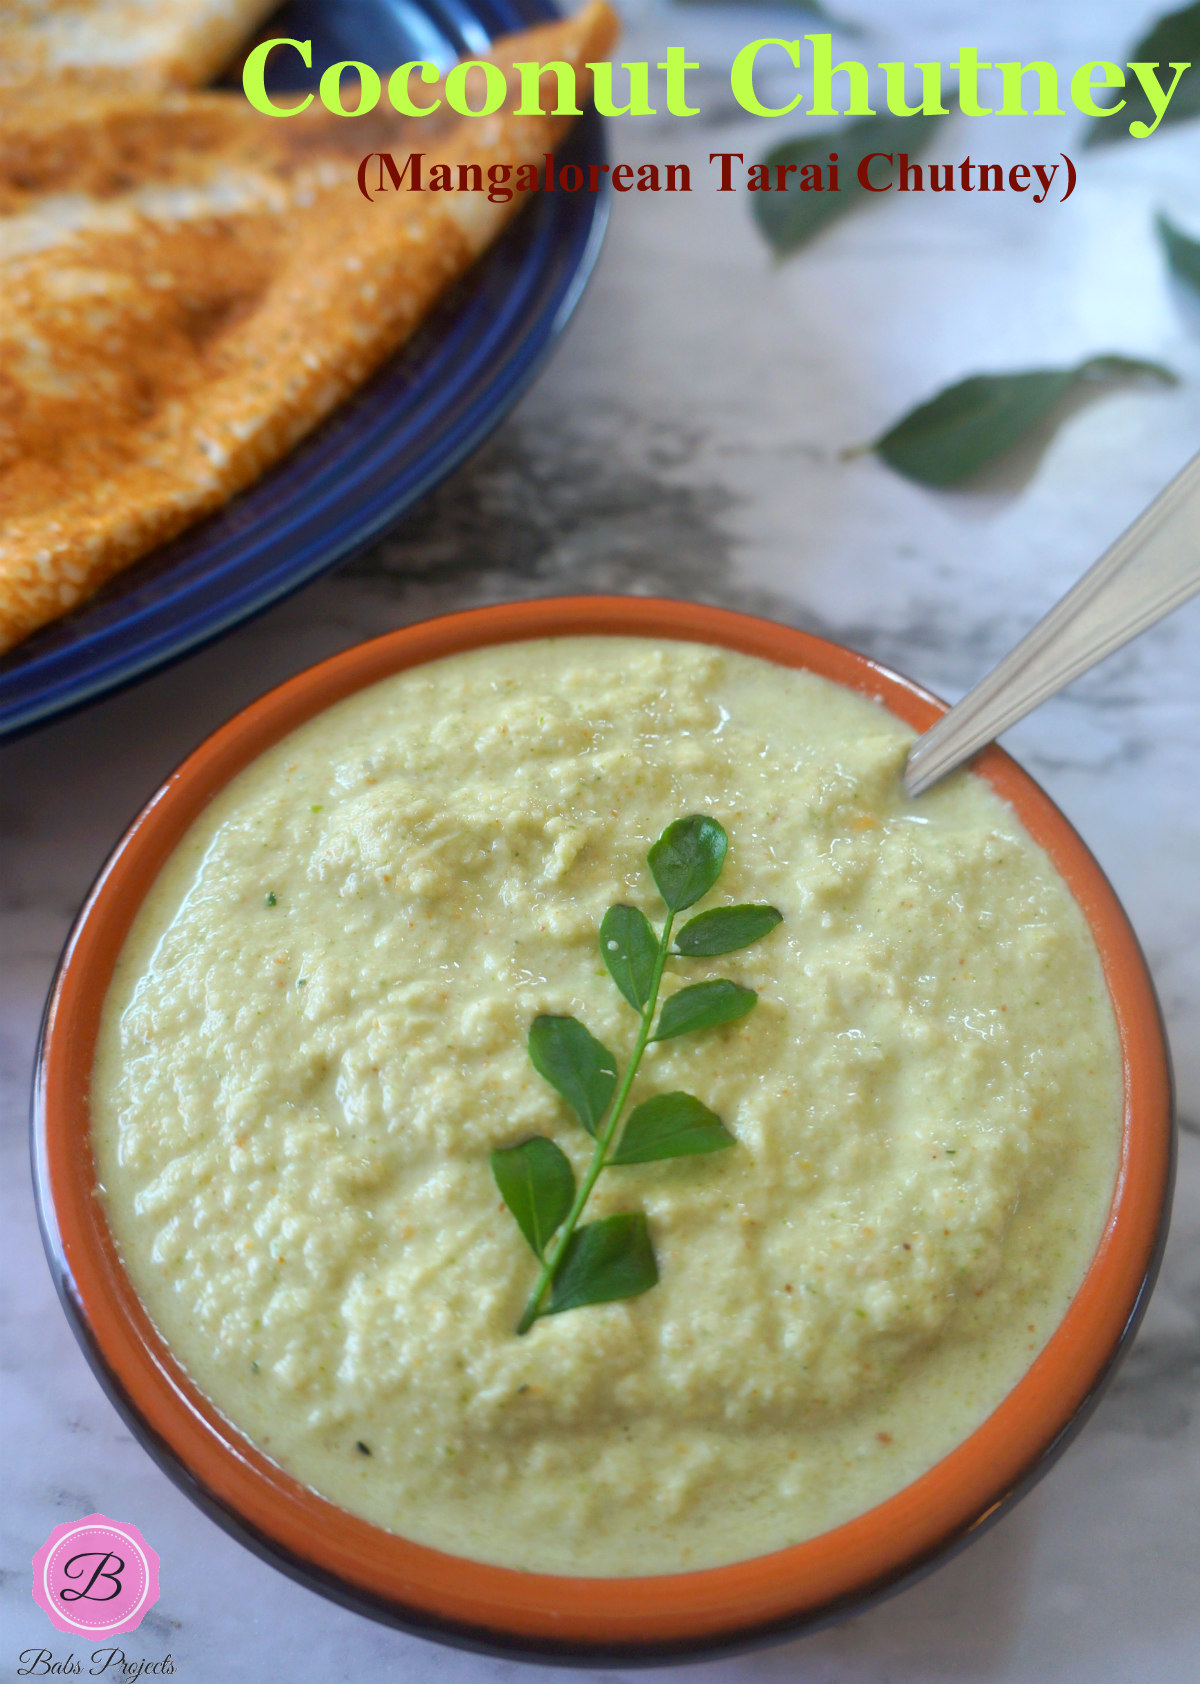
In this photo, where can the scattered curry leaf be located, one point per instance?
(537, 1184)
(1183, 253)
(969, 425)
(703, 1006)
(613, 1258)
(576, 1065)
(1173, 40)
(671, 1125)
(629, 948)
(790, 219)
(686, 860)
(607, 1260)
(726, 929)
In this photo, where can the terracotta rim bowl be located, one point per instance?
(496, 1608)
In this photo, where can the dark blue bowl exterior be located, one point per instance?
(421, 415)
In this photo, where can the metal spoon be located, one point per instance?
(1152, 568)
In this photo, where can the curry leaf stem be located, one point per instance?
(604, 1141)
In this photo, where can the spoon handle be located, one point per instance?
(1152, 568)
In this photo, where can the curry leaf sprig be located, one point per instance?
(613, 1258)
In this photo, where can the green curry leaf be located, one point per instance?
(537, 1184)
(726, 929)
(971, 424)
(576, 1064)
(604, 1261)
(671, 1125)
(703, 1006)
(790, 219)
(1173, 40)
(686, 860)
(1183, 253)
(629, 948)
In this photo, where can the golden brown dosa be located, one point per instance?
(187, 287)
(180, 42)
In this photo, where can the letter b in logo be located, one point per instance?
(101, 1565)
(95, 1577)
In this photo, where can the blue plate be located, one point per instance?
(397, 438)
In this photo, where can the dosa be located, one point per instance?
(181, 42)
(187, 288)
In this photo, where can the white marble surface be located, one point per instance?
(686, 440)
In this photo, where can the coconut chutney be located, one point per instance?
(316, 1035)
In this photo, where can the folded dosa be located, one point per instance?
(187, 287)
(182, 42)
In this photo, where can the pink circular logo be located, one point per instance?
(95, 1577)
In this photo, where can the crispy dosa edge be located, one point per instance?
(356, 281)
(205, 36)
